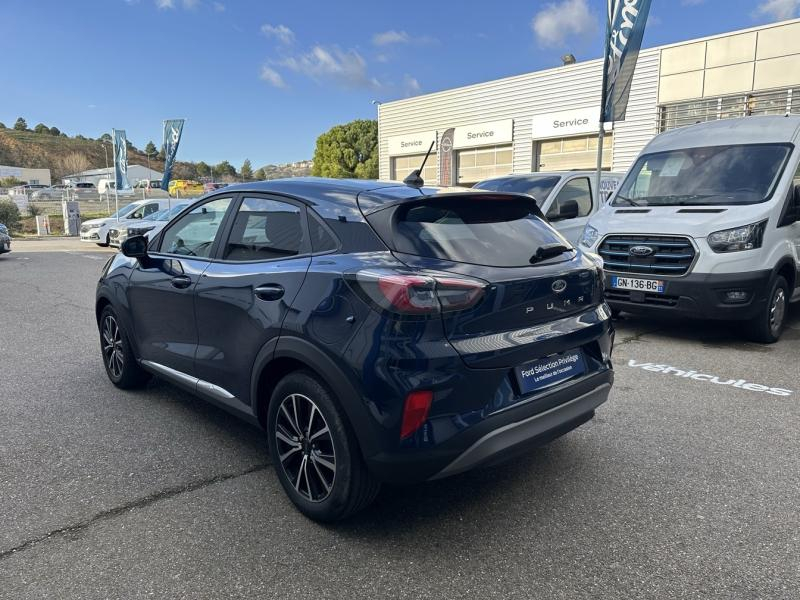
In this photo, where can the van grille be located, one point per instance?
(671, 255)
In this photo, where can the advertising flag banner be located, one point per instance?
(627, 20)
(121, 160)
(173, 128)
(446, 157)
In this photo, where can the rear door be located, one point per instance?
(244, 295)
(496, 239)
(161, 290)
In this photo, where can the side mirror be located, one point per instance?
(135, 247)
(568, 209)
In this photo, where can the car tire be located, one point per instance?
(315, 452)
(120, 363)
(104, 245)
(767, 327)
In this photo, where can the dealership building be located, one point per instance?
(548, 120)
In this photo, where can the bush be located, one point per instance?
(9, 214)
(34, 210)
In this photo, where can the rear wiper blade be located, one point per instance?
(549, 251)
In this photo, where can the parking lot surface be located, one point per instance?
(681, 487)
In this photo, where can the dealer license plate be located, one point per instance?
(550, 371)
(654, 286)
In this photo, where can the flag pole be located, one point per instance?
(603, 94)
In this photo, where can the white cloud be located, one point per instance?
(779, 9)
(344, 67)
(411, 85)
(556, 22)
(272, 77)
(189, 4)
(390, 37)
(218, 7)
(162, 4)
(280, 32)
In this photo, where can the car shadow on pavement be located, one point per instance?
(711, 334)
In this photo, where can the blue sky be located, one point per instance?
(261, 80)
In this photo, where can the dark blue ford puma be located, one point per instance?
(378, 332)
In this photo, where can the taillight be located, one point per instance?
(420, 292)
(415, 412)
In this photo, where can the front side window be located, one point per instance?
(194, 233)
(574, 200)
(741, 174)
(538, 186)
(264, 230)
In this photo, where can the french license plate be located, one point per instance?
(654, 286)
(550, 371)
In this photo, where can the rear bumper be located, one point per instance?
(501, 435)
(696, 295)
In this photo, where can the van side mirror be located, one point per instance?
(135, 247)
(568, 209)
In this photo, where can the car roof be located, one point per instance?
(765, 129)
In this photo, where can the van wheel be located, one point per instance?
(315, 452)
(767, 327)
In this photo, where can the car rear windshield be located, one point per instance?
(711, 175)
(483, 230)
(538, 186)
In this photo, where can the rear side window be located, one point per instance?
(492, 231)
(321, 239)
(265, 230)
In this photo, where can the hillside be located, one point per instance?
(66, 155)
(59, 154)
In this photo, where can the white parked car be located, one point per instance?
(97, 230)
(107, 186)
(706, 224)
(146, 226)
(567, 198)
(54, 192)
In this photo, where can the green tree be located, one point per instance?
(54, 131)
(260, 175)
(41, 128)
(224, 169)
(349, 150)
(9, 182)
(150, 149)
(21, 124)
(106, 137)
(3, 126)
(247, 170)
(203, 170)
(9, 214)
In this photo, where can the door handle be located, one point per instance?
(181, 282)
(271, 291)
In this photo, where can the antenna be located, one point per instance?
(414, 179)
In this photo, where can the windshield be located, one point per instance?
(125, 210)
(167, 215)
(538, 186)
(156, 216)
(482, 230)
(742, 174)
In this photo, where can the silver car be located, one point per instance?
(130, 227)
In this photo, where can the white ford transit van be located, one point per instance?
(705, 225)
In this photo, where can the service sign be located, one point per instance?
(565, 123)
(412, 143)
(484, 134)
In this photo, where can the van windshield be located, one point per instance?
(538, 186)
(718, 175)
(125, 210)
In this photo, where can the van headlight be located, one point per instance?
(589, 236)
(748, 237)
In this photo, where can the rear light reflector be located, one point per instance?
(418, 292)
(415, 412)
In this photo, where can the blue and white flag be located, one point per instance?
(173, 128)
(627, 20)
(121, 160)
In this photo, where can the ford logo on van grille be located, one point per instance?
(558, 286)
(640, 251)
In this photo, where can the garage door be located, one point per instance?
(403, 165)
(477, 164)
(567, 154)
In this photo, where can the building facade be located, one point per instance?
(135, 173)
(548, 120)
(40, 176)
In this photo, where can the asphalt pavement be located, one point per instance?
(681, 487)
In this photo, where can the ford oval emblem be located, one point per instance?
(640, 250)
(558, 286)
